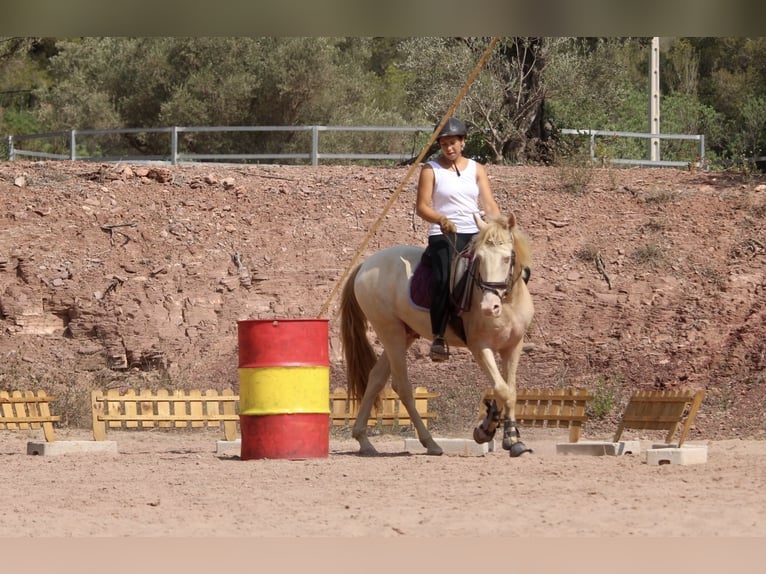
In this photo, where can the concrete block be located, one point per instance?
(229, 447)
(599, 448)
(450, 446)
(672, 454)
(72, 447)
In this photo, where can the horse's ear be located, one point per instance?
(511, 221)
(479, 221)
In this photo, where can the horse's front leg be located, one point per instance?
(485, 432)
(504, 405)
(511, 436)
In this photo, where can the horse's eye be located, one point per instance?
(506, 260)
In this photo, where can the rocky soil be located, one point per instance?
(134, 276)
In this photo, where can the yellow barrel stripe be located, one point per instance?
(284, 390)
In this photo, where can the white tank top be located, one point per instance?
(456, 196)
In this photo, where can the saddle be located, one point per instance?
(460, 287)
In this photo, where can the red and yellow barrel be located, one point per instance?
(284, 388)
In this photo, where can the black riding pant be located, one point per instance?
(442, 250)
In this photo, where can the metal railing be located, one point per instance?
(176, 156)
(700, 158)
(312, 154)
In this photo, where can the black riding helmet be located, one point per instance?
(453, 127)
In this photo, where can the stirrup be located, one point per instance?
(439, 350)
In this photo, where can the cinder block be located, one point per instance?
(71, 447)
(450, 446)
(672, 454)
(599, 448)
(229, 446)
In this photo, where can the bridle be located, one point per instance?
(498, 288)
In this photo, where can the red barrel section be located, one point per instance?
(294, 436)
(284, 375)
(283, 342)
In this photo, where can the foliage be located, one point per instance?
(574, 172)
(603, 398)
(155, 82)
(595, 86)
(502, 108)
(528, 89)
(649, 254)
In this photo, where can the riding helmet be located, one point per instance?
(453, 127)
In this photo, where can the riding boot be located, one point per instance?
(439, 349)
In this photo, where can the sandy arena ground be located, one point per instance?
(175, 484)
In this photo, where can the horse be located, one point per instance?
(495, 320)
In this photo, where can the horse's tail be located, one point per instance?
(359, 354)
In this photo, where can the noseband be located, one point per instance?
(498, 288)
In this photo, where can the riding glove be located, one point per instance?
(446, 225)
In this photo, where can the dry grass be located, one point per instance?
(650, 255)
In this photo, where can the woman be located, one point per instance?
(451, 188)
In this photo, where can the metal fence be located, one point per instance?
(592, 134)
(71, 139)
(176, 155)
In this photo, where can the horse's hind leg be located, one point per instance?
(401, 384)
(375, 383)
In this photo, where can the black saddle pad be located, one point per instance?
(420, 284)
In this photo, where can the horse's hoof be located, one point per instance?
(481, 436)
(518, 448)
(435, 452)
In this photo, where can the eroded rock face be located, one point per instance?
(128, 276)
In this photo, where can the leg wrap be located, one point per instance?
(485, 432)
(512, 439)
(493, 415)
(510, 433)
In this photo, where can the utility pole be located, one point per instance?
(654, 99)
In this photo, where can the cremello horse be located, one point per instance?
(500, 311)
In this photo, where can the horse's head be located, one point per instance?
(496, 260)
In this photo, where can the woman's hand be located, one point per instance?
(447, 226)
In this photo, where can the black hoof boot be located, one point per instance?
(485, 432)
(481, 435)
(511, 441)
(518, 448)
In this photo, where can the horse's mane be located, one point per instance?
(523, 253)
(500, 226)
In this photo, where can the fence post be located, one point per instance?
(11, 155)
(174, 145)
(314, 145)
(72, 145)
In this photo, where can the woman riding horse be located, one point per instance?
(451, 188)
(378, 292)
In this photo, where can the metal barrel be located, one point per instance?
(284, 388)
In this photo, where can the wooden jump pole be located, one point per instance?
(410, 171)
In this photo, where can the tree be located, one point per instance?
(22, 69)
(504, 108)
(159, 82)
(732, 81)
